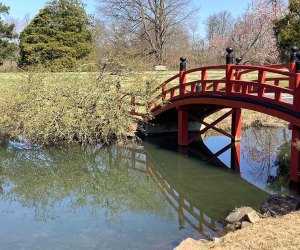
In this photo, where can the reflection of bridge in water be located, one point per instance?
(186, 209)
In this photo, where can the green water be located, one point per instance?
(143, 197)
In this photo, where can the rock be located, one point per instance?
(232, 227)
(237, 214)
(298, 206)
(188, 244)
(278, 205)
(251, 217)
(245, 224)
(216, 240)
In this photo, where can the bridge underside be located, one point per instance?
(197, 108)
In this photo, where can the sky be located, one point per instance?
(19, 8)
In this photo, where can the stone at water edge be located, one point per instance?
(251, 217)
(278, 205)
(237, 214)
(190, 243)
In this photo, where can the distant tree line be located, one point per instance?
(141, 34)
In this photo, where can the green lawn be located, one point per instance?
(129, 81)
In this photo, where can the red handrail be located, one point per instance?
(234, 86)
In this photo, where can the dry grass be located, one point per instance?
(249, 118)
(270, 233)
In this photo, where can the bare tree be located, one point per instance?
(218, 24)
(153, 21)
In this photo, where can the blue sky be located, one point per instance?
(19, 8)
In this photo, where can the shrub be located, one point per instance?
(54, 107)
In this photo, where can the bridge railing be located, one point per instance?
(259, 83)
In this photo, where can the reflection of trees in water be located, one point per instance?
(282, 164)
(73, 178)
(261, 148)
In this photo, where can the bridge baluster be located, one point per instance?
(203, 79)
(238, 76)
(182, 76)
(261, 81)
(229, 71)
(293, 60)
(164, 91)
(296, 100)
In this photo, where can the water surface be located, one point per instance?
(150, 196)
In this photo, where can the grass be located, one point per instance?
(269, 233)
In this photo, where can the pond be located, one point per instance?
(147, 196)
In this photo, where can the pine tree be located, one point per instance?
(287, 29)
(7, 46)
(58, 36)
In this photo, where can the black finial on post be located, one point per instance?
(298, 63)
(238, 60)
(229, 56)
(293, 54)
(182, 63)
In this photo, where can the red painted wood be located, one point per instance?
(296, 89)
(182, 82)
(164, 91)
(292, 68)
(203, 80)
(236, 124)
(295, 156)
(183, 126)
(235, 86)
(228, 103)
(261, 82)
(229, 78)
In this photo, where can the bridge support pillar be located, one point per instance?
(236, 125)
(235, 157)
(295, 156)
(183, 127)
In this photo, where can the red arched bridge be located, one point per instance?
(196, 93)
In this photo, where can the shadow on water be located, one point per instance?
(143, 197)
(216, 190)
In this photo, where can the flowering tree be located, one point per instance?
(252, 36)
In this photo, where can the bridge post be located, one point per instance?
(237, 75)
(182, 76)
(295, 156)
(296, 85)
(229, 71)
(293, 60)
(235, 157)
(183, 127)
(236, 124)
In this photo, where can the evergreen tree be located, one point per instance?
(7, 47)
(287, 29)
(58, 36)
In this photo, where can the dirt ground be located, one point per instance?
(270, 233)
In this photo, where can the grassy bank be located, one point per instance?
(270, 233)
